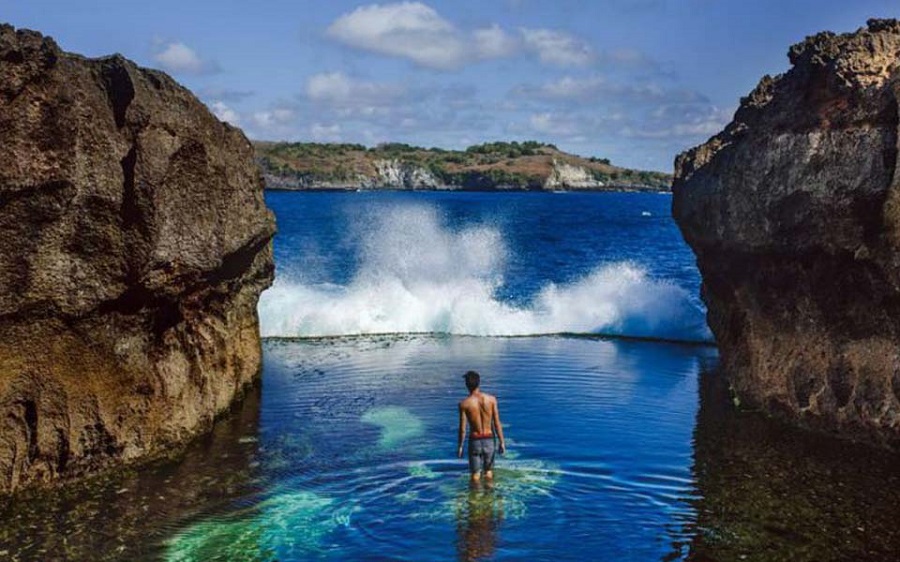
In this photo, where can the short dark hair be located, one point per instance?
(473, 379)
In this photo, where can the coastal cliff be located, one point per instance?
(793, 212)
(497, 166)
(134, 243)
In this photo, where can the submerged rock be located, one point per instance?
(134, 243)
(794, 214)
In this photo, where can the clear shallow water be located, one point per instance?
(619, 449)
(359, 437)
(345, 453)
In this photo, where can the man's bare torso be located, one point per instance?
(479, 410)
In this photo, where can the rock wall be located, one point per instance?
(398, 175)
(567, 176)
(793, 212)
(134, 243)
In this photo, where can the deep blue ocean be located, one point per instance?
(481, 264)
(580, 311)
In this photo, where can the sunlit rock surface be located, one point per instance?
(794, 214)
(564, 176)
(134, 243)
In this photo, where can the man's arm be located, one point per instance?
(499, 427)
(462, 432)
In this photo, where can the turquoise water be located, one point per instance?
(581, 313)
(358, 437)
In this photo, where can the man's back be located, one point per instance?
(479, 409)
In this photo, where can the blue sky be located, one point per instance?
(636, 81)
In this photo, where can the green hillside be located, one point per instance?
(496, 165)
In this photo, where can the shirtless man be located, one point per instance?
(479, 410)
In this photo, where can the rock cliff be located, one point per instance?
(396, 174)
(794, 214)
(567, 176)
(134, 243)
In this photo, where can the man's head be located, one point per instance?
(473, 379)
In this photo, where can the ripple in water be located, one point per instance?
(609, 459)
(589, 457)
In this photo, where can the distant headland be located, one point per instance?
(494, 166)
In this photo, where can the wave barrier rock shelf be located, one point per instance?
(793, 212)
(134, 244)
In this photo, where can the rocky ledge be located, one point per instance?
(134, 243)
(793, 212)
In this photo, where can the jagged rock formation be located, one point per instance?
(134, 243)
(794, 214)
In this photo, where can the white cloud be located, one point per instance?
(493, 42)
(178, 58)
(572, 88)
(541, 122)
(325, 133)
(274, 117)
(408, 30)
(589, 89)
(667, 122)
(336, 88)
(557, 48)
(217, 93)
(706, 128)
(415, 31)
(225, 113)
(553, 124)
(334, 85)
(627, 57)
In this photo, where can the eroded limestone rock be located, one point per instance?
(794, 214)
(134, 243)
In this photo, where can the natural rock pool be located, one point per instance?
(618, 449)
(358, 441)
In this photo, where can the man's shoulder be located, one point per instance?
(490, 397)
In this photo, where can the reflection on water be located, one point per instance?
(349, 453)
(771, 492)
(479, 513)
(126, 514)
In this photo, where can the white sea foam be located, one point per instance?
(416, 275)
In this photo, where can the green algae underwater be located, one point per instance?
(297, 525)
(291, 525)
